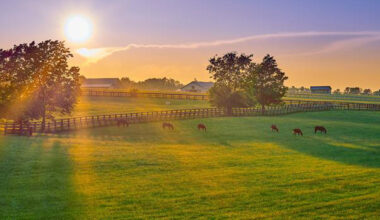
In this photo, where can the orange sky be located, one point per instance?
(338, 61)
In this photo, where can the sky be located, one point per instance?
(324, 42)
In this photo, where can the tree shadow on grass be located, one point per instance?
(347, 153)
(35, 179)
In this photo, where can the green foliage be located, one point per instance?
(241, 82)
(230, 70)
(265, 82)
(157, 84)
(223, 96)
(36, 80)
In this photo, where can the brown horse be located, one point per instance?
(167, 125)
(320, 128)
(274, 128)
(201, 127)
(297, 131)
(122, 122)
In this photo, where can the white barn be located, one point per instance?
(197, 86)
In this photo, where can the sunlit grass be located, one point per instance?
(114, 105)
(237, 169)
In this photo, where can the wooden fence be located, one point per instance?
(161, 95)
(67, 124)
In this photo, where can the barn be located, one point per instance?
(101, 83)
(197, 86)
(320, 89)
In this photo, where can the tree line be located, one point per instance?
(346, 91)
(160, 84)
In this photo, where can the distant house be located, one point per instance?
(197, 86)
(320, 89)
(101, 83)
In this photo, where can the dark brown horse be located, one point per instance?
(122, 122)
(320, 128)
(167, 125)
(201, 127)
(297, 131)
(274, 128)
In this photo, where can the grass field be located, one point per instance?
(113, 105)
(237, 169)
(336, 98)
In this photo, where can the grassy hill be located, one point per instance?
(237, 169)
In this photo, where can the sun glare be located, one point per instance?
(78, 29)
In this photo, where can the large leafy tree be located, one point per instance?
(36, 81)
(229, 72)
(265, 81)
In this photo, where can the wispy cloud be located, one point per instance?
(363, 37)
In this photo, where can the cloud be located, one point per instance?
(96, 54)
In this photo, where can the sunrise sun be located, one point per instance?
(78, 28)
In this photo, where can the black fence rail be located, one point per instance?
(161, 95)
(75, 123)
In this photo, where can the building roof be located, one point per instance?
(320, 87)
(204, 85)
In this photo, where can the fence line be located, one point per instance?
(161, 95)
(66, 124)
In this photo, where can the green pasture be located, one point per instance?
(336, 98)
(114, 105)
(238, 169)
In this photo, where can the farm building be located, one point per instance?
(320, 89)
(101, 83)
(197, 86)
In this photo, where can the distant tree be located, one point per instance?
(37, 82)
(337, 92)
(377, 92)
(265, 82)
(353, 90)
(127, 83)
(347, 90)
(158, 84)
(229, 72)
(367, 91)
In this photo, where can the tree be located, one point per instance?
(229, 72)
(265, 82)
(37, 81)
(230, 69)
(222, 96)
(337, 92)
(367, 92)
(347, 90)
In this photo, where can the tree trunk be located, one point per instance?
(43, 119)
(43, 112)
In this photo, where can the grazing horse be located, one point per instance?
(274, 128)
(297, 131)
(320, 128)
(122, 122)
(201, 127)
(167, 125)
